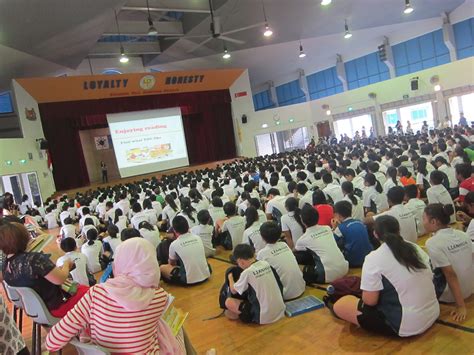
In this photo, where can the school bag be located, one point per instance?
(344, 286)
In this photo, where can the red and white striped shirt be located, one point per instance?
(111, 326)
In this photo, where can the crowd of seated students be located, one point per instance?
(359, 203)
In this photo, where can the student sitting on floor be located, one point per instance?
(280, 257)
(205, 231)
(416, 206)
(112, 241)
(451, 257)
(68, 230)
(187, 259)
(251, 234)
(354, 235)
(252, 291)
(398, 296)
(437, 193)
(318, 251)
(374, 199)
(291, 223)
(51, 219)
(80, 273)
(92, 250)
(150, 233)
(234, 225)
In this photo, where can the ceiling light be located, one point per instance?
(408, 8)
(226, 54)
(291, 120)
(277, 123)
(264, 125)
(302, 53)
(151, 28)
(349, 108)
(268, 31)
(325, 2)
(123, 56)
(347, 33)
(328, 112)
(437, 87)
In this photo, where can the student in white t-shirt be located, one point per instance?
(251, 234)
(332, 189)
(92, 250)
(188, 212)
(252, 291)
(275, 207)
(68, 230)
(150, 233)
(291, 224)
(234, 225)
(80, 273)
(305, 195)
(398, 296)
(375, 200)
(187, 259)
(317, 250)
(111, 241)
(205, 230)
(169, 212)
(216, 211)
(280, 257)
(349, 195)
(86, 214)
(437, 193)
(255, 202)
(138, 215)
(416, 206)
(451, 257)
(120, 220)
(64, 214)
(403, 215)
(50, 218)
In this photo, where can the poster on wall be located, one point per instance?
(101, 143)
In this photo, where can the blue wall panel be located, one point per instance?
(289, 94)
(464, 36)
(261, 101)
(365, 70)
(323, 83)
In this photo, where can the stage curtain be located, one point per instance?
(207, 120)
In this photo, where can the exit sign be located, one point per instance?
(240, 94)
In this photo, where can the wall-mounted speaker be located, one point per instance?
(44, 144)
(414, 84)
(244, 119)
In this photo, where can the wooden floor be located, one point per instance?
(316, 332)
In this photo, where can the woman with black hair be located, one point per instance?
(422, 176)
(374, 199)
(450, 251)
(188, 211)
(197, 200)
(391, 179)
(169, 212)
(350, 196)
(291, 224)
(120, 220)
(251, 234)
(398, 296)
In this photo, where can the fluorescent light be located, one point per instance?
(325, 2)
(347, 33)
(226, 54)
(264, 125)
(328, 112)
(152, 31)
(123, 56)
(291, 120)
(302, 53)
(268, 31)
(408, 8)
(349, 108)
(437, 87)
(277, 123)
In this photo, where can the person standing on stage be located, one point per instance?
(103, 168)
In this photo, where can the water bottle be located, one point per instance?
(330, 290)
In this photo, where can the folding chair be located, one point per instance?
(15, 300)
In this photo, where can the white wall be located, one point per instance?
(452, 75)
(18, 149)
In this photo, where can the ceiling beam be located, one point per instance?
(131, 48)
(165, 9)
(140, 28)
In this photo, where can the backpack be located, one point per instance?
(344, 286)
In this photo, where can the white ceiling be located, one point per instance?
(44, 37)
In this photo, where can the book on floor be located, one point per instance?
(303, 305)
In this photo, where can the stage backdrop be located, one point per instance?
(207, 120)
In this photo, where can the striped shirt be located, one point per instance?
(111, 326)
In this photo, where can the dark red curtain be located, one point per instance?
(207, 120)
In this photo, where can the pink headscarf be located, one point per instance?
(136, 275)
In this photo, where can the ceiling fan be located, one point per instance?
(216, 32)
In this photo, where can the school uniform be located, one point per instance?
(51, 220)
(276, 207)
(405, 218)
(357, 210)
(83, 219)
(334, 191)
(168, 214)
(92, 252)
(355, 240)
(264, 298)
(122, 223)
(200, 205)
(380, 177)
(68, 231)
(407, 303)
(188, 252)
(253, 237)
(289, 223)
(139, 218)
(281, 258)
(388, 185)
(152, 236)
(451, 174)
(235, 225)
(152, 216)
(157, 207)
(374, 200)
(417, 207)
(262, 217)
(191, 221)
(307, 198)
(439, 194)
(217, 213)
(100, 210)
(112, 242)
(79, 274)
(451, 247)
(109, 215)
(358, 182)
(124, 205)
(329, 262)
(205, 232)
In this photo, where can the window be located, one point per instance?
(417, 114)
(282, 141)
(261, 101)
(324, 83)
(6, 104)
(290, 93)
(420, 53)
(352, 125)
(464, 36)
(464, 104)
(365, 70)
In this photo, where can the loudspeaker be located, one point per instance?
(414, 84)
(244, 119)
(43, 144)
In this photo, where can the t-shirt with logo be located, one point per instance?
(319, 240)
(264, 292)
(281, 258)
(253, 237)
(451, 247)
(405, 218)
(188, 251)
(407, 298)
(235, 225)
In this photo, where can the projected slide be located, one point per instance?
(148, 141)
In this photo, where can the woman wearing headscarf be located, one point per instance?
(123, 314)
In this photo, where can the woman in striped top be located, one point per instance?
(122, 315)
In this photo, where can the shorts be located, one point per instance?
(246, 314)
(373, 320)
(179, 278)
